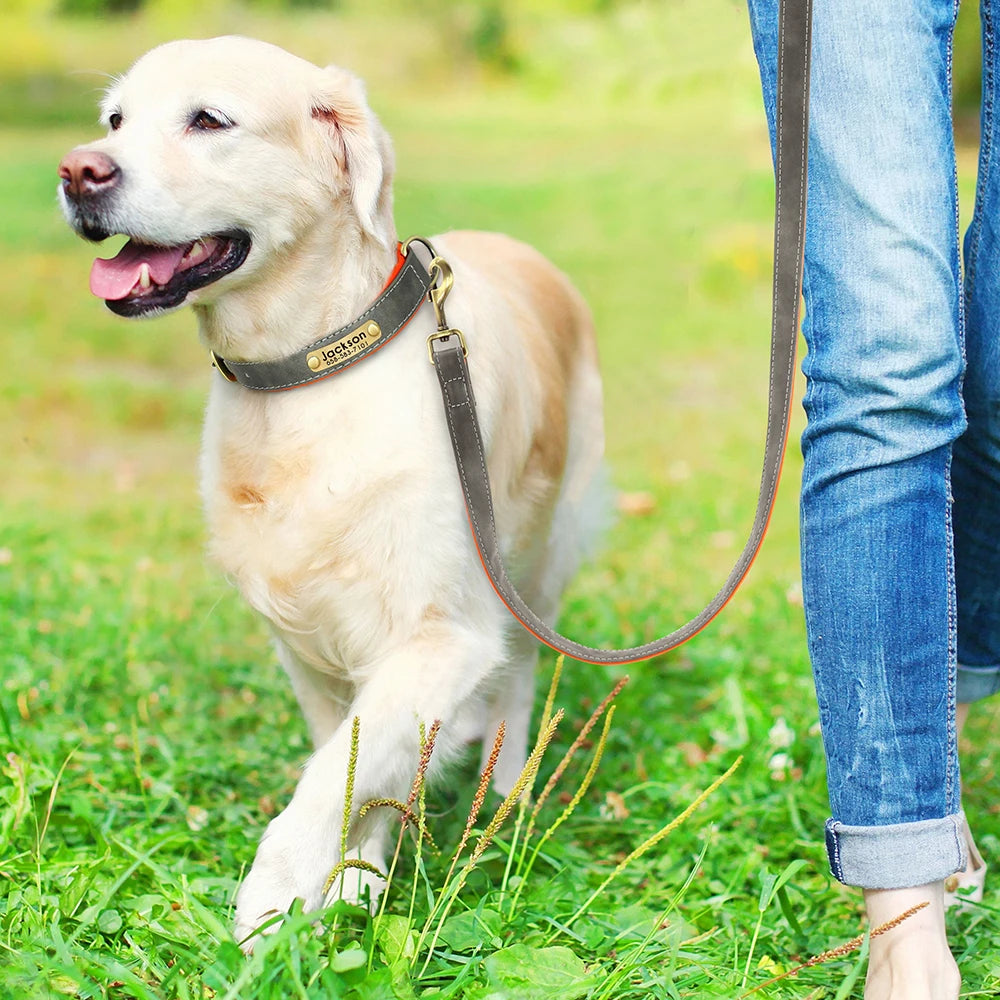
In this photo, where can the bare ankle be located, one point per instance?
(911, 960)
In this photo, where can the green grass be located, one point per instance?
(147, 733)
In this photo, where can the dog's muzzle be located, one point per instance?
(147, 276)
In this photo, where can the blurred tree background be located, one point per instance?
(47, 42)
(36, 69)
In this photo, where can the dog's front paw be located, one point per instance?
(291, 863)
(360, 886)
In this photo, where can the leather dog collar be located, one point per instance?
(402, 296)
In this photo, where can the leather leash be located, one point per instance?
(448, 354)
(411, 284)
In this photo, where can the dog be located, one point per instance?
(256, 187)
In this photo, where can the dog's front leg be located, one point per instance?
(301, 846)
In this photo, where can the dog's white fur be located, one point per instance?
(335, 508)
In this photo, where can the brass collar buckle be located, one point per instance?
(217, 362)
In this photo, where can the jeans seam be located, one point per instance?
(951, 794)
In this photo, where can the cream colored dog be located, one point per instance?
(255, 187)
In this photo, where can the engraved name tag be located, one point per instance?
(344, 349)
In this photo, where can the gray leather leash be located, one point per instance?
(411, 284)
(448, 354)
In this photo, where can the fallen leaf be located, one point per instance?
(636, 504)
(693, 754)
(616, 803)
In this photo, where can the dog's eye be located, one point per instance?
(209, 121)
(115, 121)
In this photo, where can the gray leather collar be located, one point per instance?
(354, 342)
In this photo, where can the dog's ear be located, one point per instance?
(361, 148)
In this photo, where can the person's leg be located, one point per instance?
(883, 403)
(976, 475)
(976, 463)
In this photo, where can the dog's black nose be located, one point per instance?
(86, 173)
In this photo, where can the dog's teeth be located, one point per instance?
(197, 251)
(145, 281)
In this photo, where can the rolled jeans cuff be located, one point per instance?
(976, 683)
(898, 856)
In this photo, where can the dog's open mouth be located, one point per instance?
(143, 278)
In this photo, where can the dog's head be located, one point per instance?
(220, 155)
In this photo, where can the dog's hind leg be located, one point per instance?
(513, 697)
(323, 697)
(511, 704)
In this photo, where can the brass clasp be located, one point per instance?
(441, 281)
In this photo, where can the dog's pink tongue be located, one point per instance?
(114, 278)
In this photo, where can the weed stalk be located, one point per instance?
(567, 812)
(653, 841)
(451, 889)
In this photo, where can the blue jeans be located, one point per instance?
(901, 582)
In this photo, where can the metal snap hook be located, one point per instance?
(441, 281)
